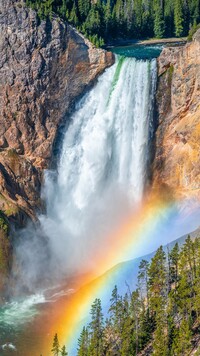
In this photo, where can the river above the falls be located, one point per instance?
(138, 51)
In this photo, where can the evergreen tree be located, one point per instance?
(63, 351)
(158, 298)
(159, 25)
(116, 311)
(182, 341)
(143, 281)
(84, 8)
(197, 279)
(83, 343)
(56, 346)
(73, 18)
(173, 265)
(169, 17)
(108, 17)
(178, 18)
(96, 329)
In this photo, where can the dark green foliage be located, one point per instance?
(103, 21)
(63, 351)
(162, 313)
(56, 351)
(159, 24)
(193, 31)
(178, 18)
(96, 329)
(56, 346)
(5, 250)
(3, 223)
(83, 343)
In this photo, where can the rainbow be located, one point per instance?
(143, 231)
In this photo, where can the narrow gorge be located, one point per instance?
(94, 144)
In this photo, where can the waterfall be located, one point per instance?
(107, 140)
(104, 154)
(102, 169)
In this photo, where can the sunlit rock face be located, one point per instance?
(177, 152)
(44, 67)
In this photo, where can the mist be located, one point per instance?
(100, 177)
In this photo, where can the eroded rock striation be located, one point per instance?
(177, 152)
(44, 67)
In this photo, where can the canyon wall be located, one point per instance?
(177, 151)
(44, 67)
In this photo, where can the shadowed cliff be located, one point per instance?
(44, 67)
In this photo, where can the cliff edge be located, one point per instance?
(177, 155)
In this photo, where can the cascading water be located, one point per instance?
(101, 175)
(107, 141)
(103, 161)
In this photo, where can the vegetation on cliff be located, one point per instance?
(102, 21)
(5, 251)
(161, 317)
(192, 31)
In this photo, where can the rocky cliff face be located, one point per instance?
(44, 68)
(177, 156)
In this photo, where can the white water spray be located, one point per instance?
(103, 166)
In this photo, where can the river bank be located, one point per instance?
(147, 42)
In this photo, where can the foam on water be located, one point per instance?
(103, 163)
(21, 311)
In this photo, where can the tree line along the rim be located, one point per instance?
(103, 21)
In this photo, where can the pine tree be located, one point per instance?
(63, 351)
(56, 346)
(135, 309)
(143, 289)
(197, 279)
(83, 343)
(63, 9)
(96, 329)
(157, 280)
(138, 14)
(73, 18)
(93, 22)
(116, 311)
(159, 25)
(169, 18)
(84, 8)
(173, 265)
(108, 17)
(158, 300)
(178, 18)
(185, 287)
(182, 340)
(143, 280)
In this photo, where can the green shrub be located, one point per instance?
(3, 223)
(192, 31)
